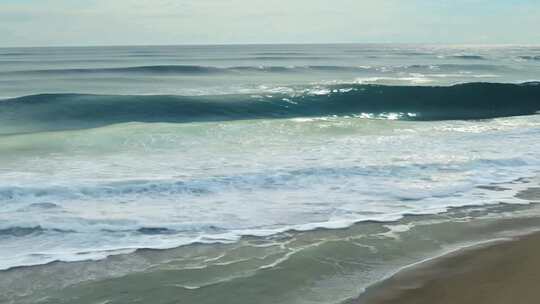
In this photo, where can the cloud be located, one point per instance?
(98, 22)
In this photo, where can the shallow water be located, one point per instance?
(320, 266)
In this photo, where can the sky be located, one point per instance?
(171, 22)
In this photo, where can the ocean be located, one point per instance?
(256, 173)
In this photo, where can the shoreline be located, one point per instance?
(492, 272)
(123, 252)
(366, 252)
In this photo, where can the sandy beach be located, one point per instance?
(497, 273)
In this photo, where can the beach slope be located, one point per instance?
(498, 273)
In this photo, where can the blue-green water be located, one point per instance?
(235, 158)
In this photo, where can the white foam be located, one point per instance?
(259, 179)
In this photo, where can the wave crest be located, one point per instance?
(464, 101)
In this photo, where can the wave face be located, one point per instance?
(466, 101)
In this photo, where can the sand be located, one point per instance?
(498, 273)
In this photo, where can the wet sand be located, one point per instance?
(496, 273)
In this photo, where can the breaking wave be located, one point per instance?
(463, 101)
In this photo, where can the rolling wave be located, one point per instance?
(469, 57)
(154, 69)
(530, 57)
(193, 70)
(463, 101)
(181, 70)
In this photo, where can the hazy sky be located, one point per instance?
(117, 22)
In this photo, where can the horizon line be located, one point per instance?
(279, 43)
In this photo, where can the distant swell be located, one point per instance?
(464, 101)
(469, 57)
(164, 70)
(154, 69)
(193, 70)
(530, 57)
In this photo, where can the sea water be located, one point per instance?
(273, 173)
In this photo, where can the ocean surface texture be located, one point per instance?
(256, 174)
